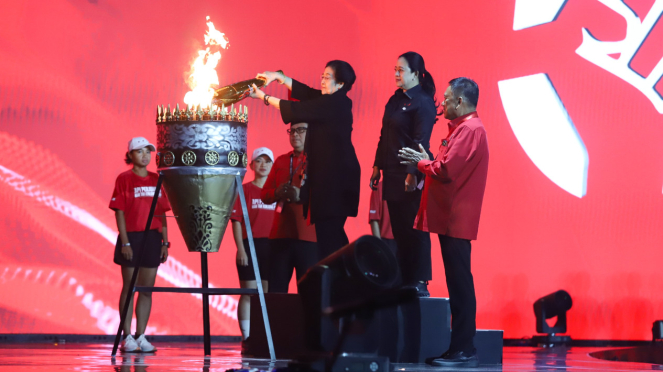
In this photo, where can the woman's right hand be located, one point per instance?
(375, 178)
(127, 253)
(270, 76)
(241, 258)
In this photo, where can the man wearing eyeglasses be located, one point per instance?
(292, 242)
(451, 206)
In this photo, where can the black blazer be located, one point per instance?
(407, 122)
(332, 174)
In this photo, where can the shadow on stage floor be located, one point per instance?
(188, 357)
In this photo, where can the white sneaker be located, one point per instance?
(145, 346)
(129, 345)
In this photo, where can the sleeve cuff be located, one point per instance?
(421, 166)
(268, 197)
(286, 111)
(297, 91)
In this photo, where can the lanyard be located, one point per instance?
(279, 206)
(290, 178)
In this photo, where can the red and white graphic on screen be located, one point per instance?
(554, 128)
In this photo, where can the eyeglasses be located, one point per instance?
(300, 130)
(326, 78)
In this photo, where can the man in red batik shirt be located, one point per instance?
(292, 240)
(451, 206)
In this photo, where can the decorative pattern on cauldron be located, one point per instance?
(199, 160)
(199, 137)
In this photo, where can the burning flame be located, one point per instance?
(203, 70)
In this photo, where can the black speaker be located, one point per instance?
(355, 274)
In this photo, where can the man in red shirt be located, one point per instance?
(451, 206)
(293, 240)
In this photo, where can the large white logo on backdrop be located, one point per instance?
(538, 118)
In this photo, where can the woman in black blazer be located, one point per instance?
(330, 193)
(408, 121)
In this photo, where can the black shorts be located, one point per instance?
(246, 273)
(151, 257)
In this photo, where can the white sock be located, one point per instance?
(245, 328)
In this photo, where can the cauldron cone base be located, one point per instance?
(203, 200)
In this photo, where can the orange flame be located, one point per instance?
(203, 70)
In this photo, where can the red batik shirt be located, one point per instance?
(455, 181)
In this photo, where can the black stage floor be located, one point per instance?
(188, 357)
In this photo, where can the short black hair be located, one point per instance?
(343, 73)
(127, 158)
(466, 88)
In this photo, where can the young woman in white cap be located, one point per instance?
(131, 201)
(261, 217)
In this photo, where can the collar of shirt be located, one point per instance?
(412, 92)
(300, 156)
(460, 120)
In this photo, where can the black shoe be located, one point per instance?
(458, 359)
(422, 289)
(431, 359)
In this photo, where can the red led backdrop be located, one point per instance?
(79, 78)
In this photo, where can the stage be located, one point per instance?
(188, 357)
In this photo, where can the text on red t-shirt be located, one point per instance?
(133, 195)
(261, 215)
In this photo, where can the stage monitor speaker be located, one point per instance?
(360, 271)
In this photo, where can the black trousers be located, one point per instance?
(413, 254)
(331, 235)
(456, 255)
(287, 255)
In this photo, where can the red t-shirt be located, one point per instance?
(261, 215)
(378, 212)
(133, 195)
(290, 223)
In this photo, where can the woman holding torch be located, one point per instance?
(330, 192)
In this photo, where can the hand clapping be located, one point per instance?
(412, 157)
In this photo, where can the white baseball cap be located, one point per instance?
(262, 151)
(138, 143)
